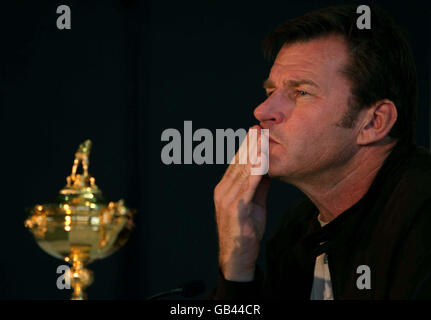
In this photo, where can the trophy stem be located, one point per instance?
(81, 277)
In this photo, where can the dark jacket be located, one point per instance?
(389, 230)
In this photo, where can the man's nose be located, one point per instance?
(268, 114)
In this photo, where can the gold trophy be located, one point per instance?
(80, 226)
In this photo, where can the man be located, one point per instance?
(340, 113)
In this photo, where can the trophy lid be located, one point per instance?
(82, 188)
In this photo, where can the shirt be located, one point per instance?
(322, 287)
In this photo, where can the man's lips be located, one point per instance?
(271, 139)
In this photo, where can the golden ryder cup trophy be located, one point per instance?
(80, 226)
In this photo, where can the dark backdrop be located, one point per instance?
(126, 71)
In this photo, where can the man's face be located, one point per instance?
(307, 98)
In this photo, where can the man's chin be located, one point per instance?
(273, 173)
(277, 173)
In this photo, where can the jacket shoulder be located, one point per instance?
(415, 181)
(411, 194)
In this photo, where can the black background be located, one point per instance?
(126, 71)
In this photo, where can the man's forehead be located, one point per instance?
(321, 46)
(292, 75)
(317, 51)
(312, 60)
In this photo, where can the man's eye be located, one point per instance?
(301, 93)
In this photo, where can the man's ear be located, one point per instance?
(377, 122)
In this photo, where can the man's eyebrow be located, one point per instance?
(268, 83)
(297, 83)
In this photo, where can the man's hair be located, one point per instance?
(381, 64)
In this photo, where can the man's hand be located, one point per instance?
(240, 204)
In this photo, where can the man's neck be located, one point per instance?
(335, 193)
